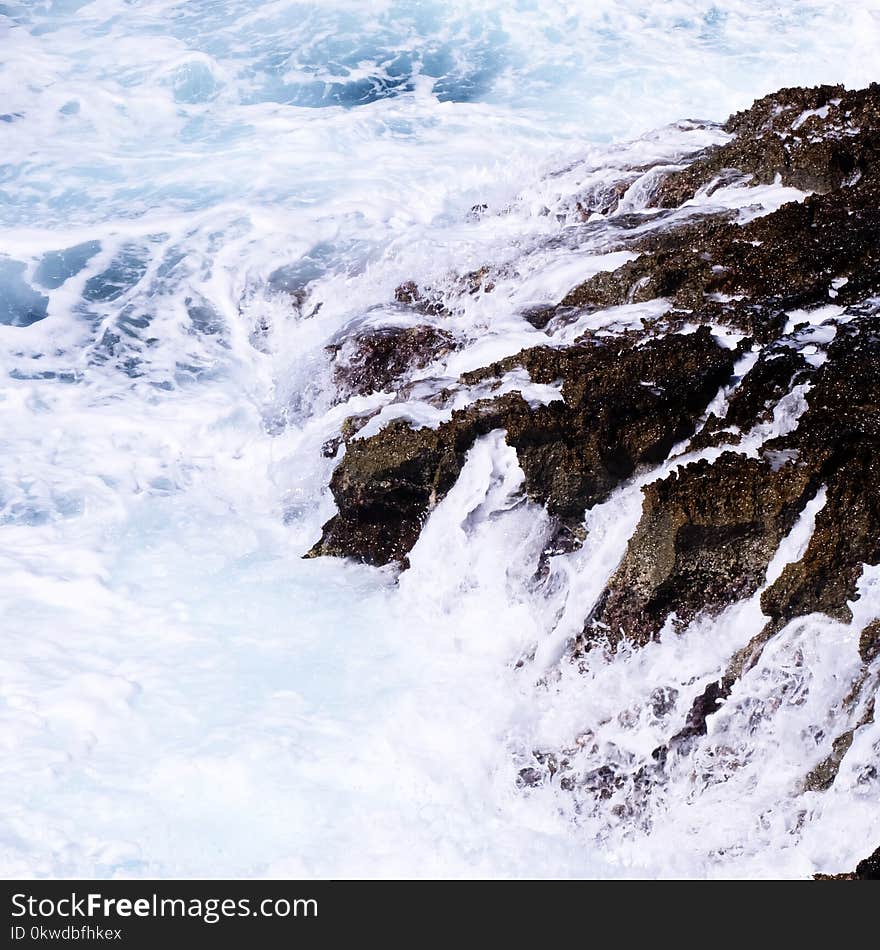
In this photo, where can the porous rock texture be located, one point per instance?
(574, 451)
(711, 524)
(708, 532)
(627, 399)
(373, 360)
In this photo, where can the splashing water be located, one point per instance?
(195, 199)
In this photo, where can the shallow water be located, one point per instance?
(182, 185)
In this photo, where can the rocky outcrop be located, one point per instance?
(713, 519)
(708, 532)
(376, 359)
(786, 259)
(817, 139)
(821, 140)
(839, 437)
(386, 485)
(777, 370)
(623, 407)
(705, 540)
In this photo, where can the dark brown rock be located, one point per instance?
(386, 485)
(869, 868)
(782, 260)
(869, 642)
(539, 317)
(623, 407)
(778, 137)
(424, 300)
(706, 537)
(839, 437)
(708, 532)
(707, 703)
(374, 360)
(776, 370)
(846, 536)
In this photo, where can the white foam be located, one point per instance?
(181, 694)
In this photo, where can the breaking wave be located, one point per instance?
(196, 200)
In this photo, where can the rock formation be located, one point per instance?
(711, 525)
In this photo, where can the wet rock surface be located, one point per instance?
(838, 437)
(869, 642)
(776, 371)
(375, 360)
(815, 139)
(755, 393)
(708, 531)
(706, 537)
(386, 485)
(623, 407)
(869, 868)
(786, 259)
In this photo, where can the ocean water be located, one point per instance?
(196, 198)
